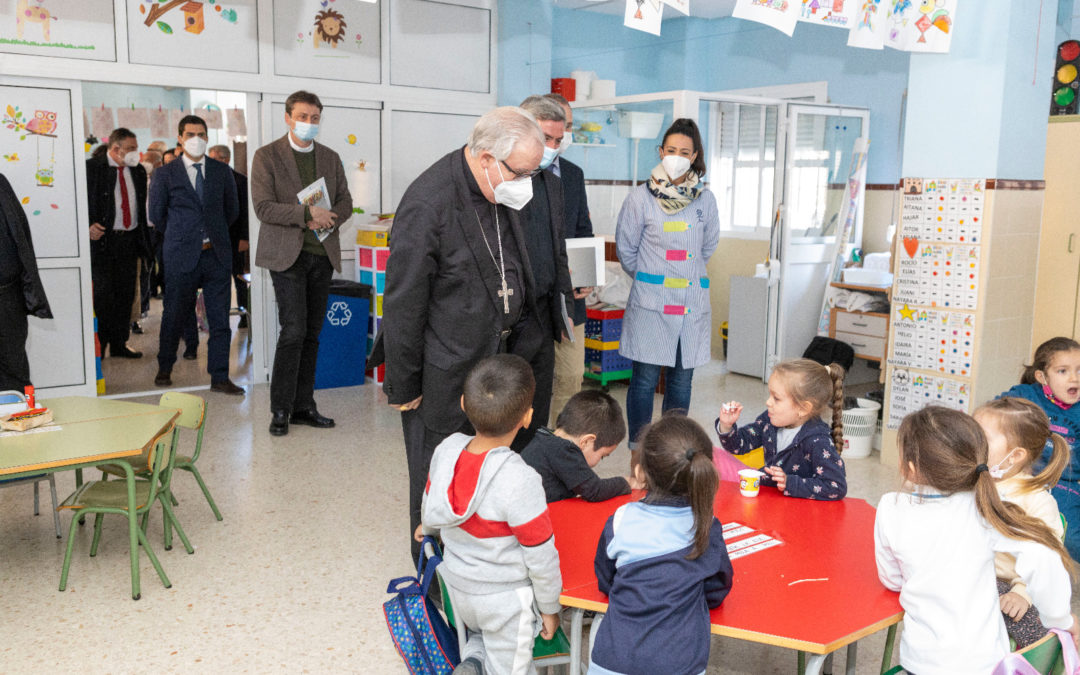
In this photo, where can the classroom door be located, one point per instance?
(819, 145)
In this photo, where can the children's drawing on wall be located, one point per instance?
(36, 150)
(307, 32)
(643, 15)
(869, 28)
(70, 28)
(222, 33)
(681, 6)
(780, 14)
(921, 25)
(836, 13)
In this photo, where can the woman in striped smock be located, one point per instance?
(667, 230)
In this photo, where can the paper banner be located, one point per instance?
(682, 6)
(869, 28)
(920, 26)
(132, 118)
(159, 123)
(643, 15)
(212, 117)
(236, 123)
(835, 13)
(780, 14)
(174, 120)
(102, 122)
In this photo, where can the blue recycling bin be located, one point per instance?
(343, 341)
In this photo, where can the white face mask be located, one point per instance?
(996, 472)
(513, 193)
(675, 166)
(132, 158)
(567, 141)
(195, 146)
(549, 156)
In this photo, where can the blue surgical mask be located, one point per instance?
(305, 131)
(550, 154)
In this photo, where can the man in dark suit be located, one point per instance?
(458, 281)
(192, 204)
(543, 225)
(238, 233)
(300, 263)
(21, 292)
(118, 237)
(570, 355)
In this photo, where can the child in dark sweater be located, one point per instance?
(586, 431)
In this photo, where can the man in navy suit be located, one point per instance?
(570, 356)
(192, 204)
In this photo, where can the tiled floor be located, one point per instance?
(294, 577)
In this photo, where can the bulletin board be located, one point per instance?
(419, 139)
(210, 35)
(440, 46)
(935, 296)
(78, 29)
(37, 155)
(324, 39)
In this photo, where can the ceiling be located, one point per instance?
(703, 9)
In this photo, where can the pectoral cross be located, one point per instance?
(505, 294)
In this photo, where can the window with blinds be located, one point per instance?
(743, 165)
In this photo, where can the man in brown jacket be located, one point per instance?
(300, 263)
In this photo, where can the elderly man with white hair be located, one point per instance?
(458, 282)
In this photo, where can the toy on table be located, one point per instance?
(30, 418)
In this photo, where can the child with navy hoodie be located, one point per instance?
(1052, 382)
(500, 564)
(662, 561)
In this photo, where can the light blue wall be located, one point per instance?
(524, 58)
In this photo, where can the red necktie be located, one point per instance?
(125, 206)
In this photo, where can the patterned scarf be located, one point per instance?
(673, 198)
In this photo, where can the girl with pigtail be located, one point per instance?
(802, 451)
(1016, 432)
(935, 542)
(662, 560)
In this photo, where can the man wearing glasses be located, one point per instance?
(458, 282)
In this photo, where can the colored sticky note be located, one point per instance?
(672, 282)
(676, 226)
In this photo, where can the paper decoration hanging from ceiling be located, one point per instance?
(159, 123)
(920, 25)
(132, 118)
(682, 6)
(869, 28)
(643, 15)
(102, 123)
(780, 14)
(835, 13)
(235, 122)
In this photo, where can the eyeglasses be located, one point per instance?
(520, 174)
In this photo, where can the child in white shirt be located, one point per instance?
(935, 544)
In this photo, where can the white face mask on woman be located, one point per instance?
(675, 166)
(513, 193)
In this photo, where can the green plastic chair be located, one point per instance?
(1044, 656)
(546, 653)
(101, 497)
(192, 416)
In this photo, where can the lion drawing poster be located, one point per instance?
(333, 39)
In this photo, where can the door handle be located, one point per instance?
(1071, 236)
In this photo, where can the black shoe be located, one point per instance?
(279, 423)
(163, 378)
(243, 322)
(125, 352)
(191, 353)
(227, 387)
(311, 418)
(136, 328)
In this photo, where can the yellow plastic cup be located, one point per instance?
(750, 482)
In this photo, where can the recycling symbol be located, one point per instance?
(339, 314)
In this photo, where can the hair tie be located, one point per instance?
(690, 455)
(980, 468)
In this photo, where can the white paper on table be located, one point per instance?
(317, 194)
(682, 6)
(643, 15)
(235, 122)
(869, 28)
(835, 13)
(779, 14)
(585, 258)
(159, 123)
(102, 122)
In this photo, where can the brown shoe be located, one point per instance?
(227, 387)
(163, 379)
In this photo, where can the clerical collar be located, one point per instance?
(309, 148)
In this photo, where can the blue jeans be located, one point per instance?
(639, 396)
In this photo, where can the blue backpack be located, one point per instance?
(427, 645)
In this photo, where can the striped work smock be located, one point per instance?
(666, 256)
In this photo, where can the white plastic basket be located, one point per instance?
(859, 426)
